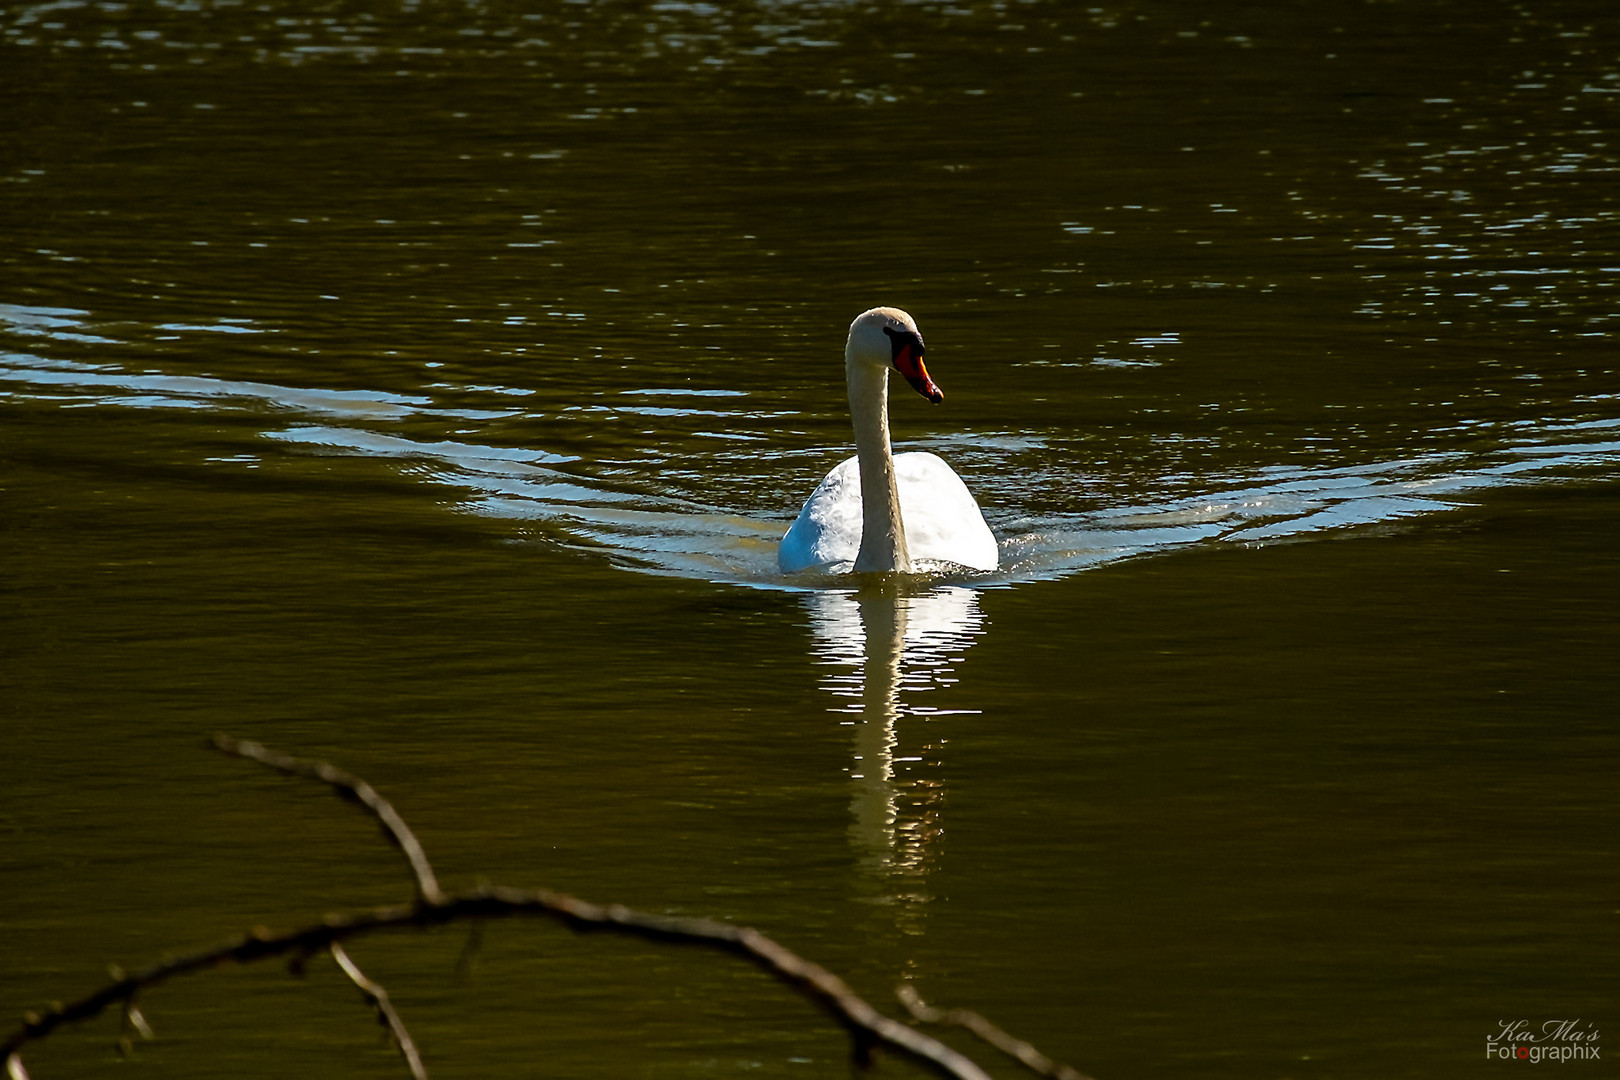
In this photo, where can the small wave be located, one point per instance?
(639, 521)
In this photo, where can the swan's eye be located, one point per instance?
(899, 337)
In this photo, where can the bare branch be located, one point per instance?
(866, 1026)
(1017, 1049)
(353, 788)
(378, 998)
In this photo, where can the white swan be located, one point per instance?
(879, 511)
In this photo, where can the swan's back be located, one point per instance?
(943, 524)
(827, 531)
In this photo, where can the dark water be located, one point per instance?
(426, 388)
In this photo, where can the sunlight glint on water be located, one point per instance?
(350, 358)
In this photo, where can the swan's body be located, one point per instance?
(880, 512)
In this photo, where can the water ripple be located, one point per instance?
(639, 516)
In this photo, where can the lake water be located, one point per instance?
(426, 389)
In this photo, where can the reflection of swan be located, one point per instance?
(890, 642)
(880, 512)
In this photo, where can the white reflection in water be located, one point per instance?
(169, 391)
(885, 648)
(637, 518)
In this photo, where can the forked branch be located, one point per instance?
(866, 1026)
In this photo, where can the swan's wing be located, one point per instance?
(828, 530)
(943, 522)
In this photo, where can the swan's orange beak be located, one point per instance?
(908, 361)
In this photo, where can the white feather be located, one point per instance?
(944, 526)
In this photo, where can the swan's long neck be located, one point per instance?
(883, 534)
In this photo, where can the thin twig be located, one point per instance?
(134, 1021)
(1017, 1049)
(866, 1026)
(378, 998)
(353, 788)
(469, 950)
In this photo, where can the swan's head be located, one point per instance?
(885, 337)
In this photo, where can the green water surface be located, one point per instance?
(424, 388)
